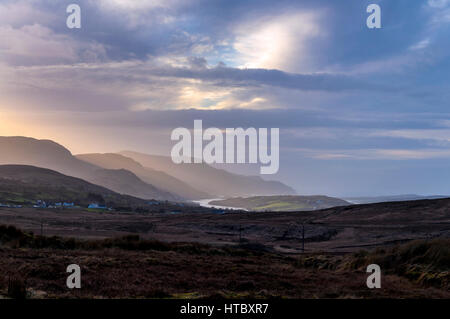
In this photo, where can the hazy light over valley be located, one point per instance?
(360, 111)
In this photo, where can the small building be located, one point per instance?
(96, 206)
(40, 204)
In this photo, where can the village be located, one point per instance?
(59, 205)
(170, 208)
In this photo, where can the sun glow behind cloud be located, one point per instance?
(278, 42)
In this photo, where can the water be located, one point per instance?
(205, 203)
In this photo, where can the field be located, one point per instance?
(231, 255)
(34, 267)
(283, 203)
(340, 229)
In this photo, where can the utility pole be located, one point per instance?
(303, 237)
(240, 233)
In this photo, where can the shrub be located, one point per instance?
(17, 288)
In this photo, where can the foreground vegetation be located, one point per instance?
(129, 267)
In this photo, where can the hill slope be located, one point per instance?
(216, 182)
(163, 180)
(394, 198)
(119, 180)
(50, 155)
(282, 203)
(22, 184)
(42, 153)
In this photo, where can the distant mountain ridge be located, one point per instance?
(217, 182)
(137, 174)
(163, 180)
(51, 155)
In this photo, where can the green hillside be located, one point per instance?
(24, 185)
(281, 203)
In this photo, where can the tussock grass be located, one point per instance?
(423, 261)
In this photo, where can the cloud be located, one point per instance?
(139, 13)
(417, 134)
(137, 5)
(338, 91)
(36, 44)
(375, 154)
(440, 12)
(161, 83)
(20, 13)
(438, 3)
(420, 45)
(276, 42)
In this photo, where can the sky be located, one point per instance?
(361, 111)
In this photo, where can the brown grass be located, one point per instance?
(130, 267)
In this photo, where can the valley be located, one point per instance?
(136, 174)
(339, 229)
(135, 225)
